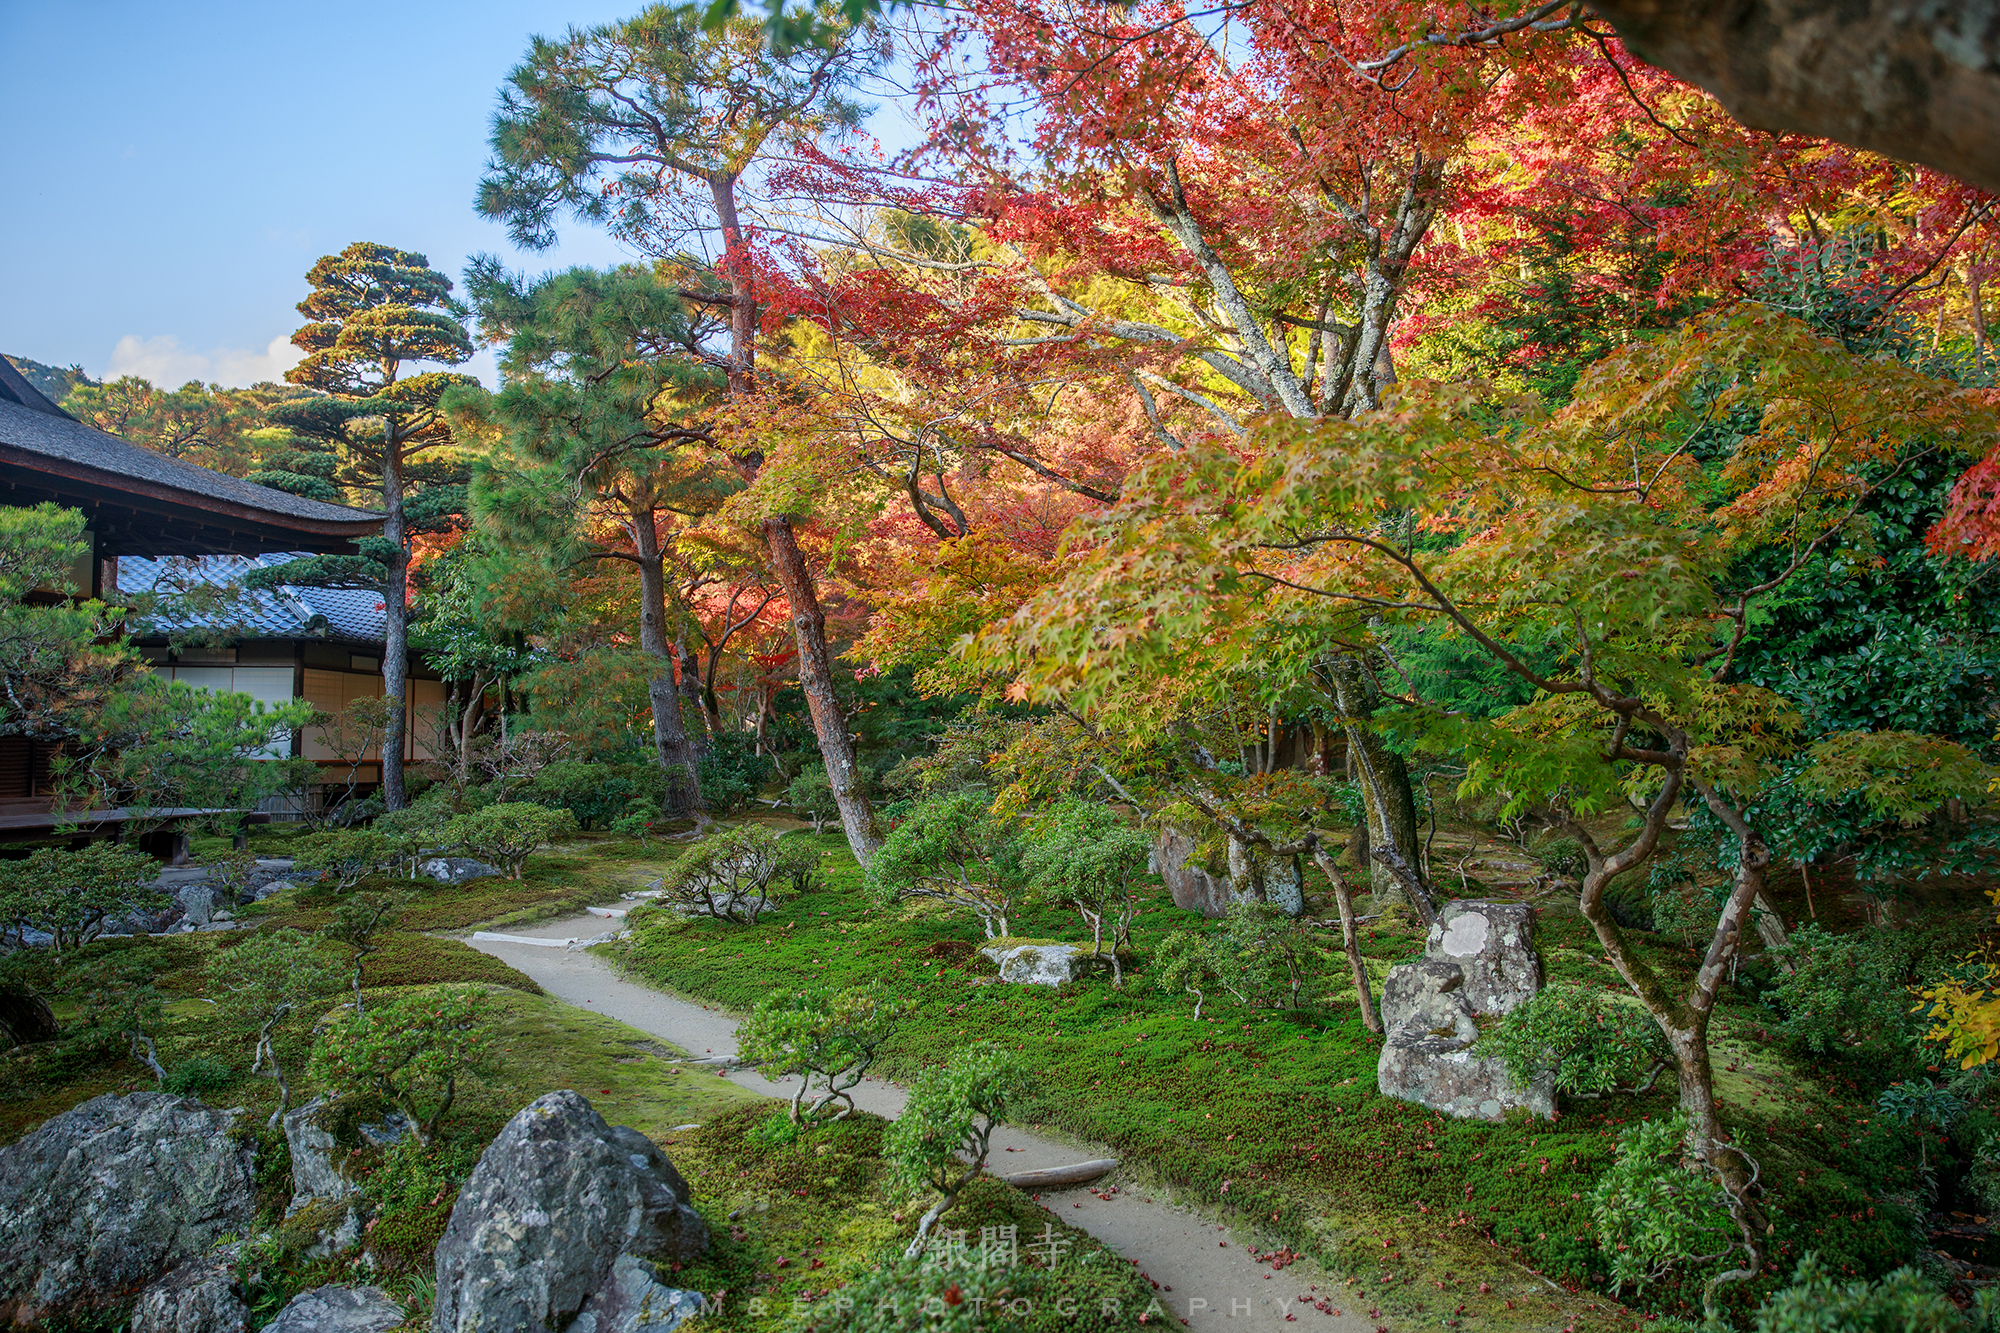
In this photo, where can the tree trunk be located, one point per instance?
(683, 787)
(395, 625)
(836, 743)
(1384, 779)
(689, 677)
(1350, 939)
(1685, 1022)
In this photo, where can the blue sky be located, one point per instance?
(174, 169)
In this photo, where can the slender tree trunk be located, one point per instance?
(689, 678)
(836, 743)
(1385, 779)
(1350, 939)
(1685, 1022)
(395, 625)
(683, 787)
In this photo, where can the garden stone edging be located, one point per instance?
(1479, 959)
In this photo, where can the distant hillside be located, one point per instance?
(52, 382)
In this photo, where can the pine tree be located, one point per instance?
(374, 311)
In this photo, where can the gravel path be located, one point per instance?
(1207, 1277)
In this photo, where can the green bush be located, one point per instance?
(345, 856)
(1056, 1285)
(262, 982)
(1562, 856)
(1592, 1042)
(1084, 856)
(70, 895)
(731, 772)
(829, 1037)
(1902, 1302)
(198, 1074)
(1841, 992)
(409, 1052)
(727, 875)
(1267, 960)
(1655, 1212)
(940, 1141)
(1186, 961)
(811, 796)
(595, 794)
(951, 849)
(507, 835)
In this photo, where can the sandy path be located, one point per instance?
(1207, 1278)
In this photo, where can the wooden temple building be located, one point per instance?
(137, 503)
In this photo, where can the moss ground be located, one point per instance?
(1274, 1118)
(1270, 1119)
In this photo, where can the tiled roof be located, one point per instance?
(288, 612)
(60, 437)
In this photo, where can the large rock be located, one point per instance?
(197, 1297)
(456, 869)
(634, 1300)
(1250, 876)
(338, 1310)
(103, 1199)
(1036, 964)
(556, 1199)
(315, 1172)
(1479, 959)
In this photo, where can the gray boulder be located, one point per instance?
(1479, 959)
(197, 1297)
(634, 1300)
(338, 1310)
(556, 1199)
(103, 1199)
(456, 869)
(315, 1174)
(199, 902)
(1036, 964)
(1248, 876)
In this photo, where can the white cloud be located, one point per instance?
(166, 363)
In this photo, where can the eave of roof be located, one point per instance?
(46, 453)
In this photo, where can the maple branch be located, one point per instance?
(1152, 409)
(1279, 381)
(1531, 20)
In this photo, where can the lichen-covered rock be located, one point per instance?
(456, 869)
(1478, 960)
(1036, 964)
(315, 1170)
(103, 1199)
(634, 1300)
(557, 1197)
(1249, 876)
(338, 1310)
(198, 1297)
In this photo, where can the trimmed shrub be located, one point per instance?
(409, 1052)
(1591, 1042)
(829, 1037)
(1084, 856)
(1655, 1212)
(940, 1141)
(1902, 1302)
(727, 875)
(951, 849)
(1841, 992)
(507, 835)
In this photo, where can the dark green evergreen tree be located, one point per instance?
(603, 416)
(375, 312)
